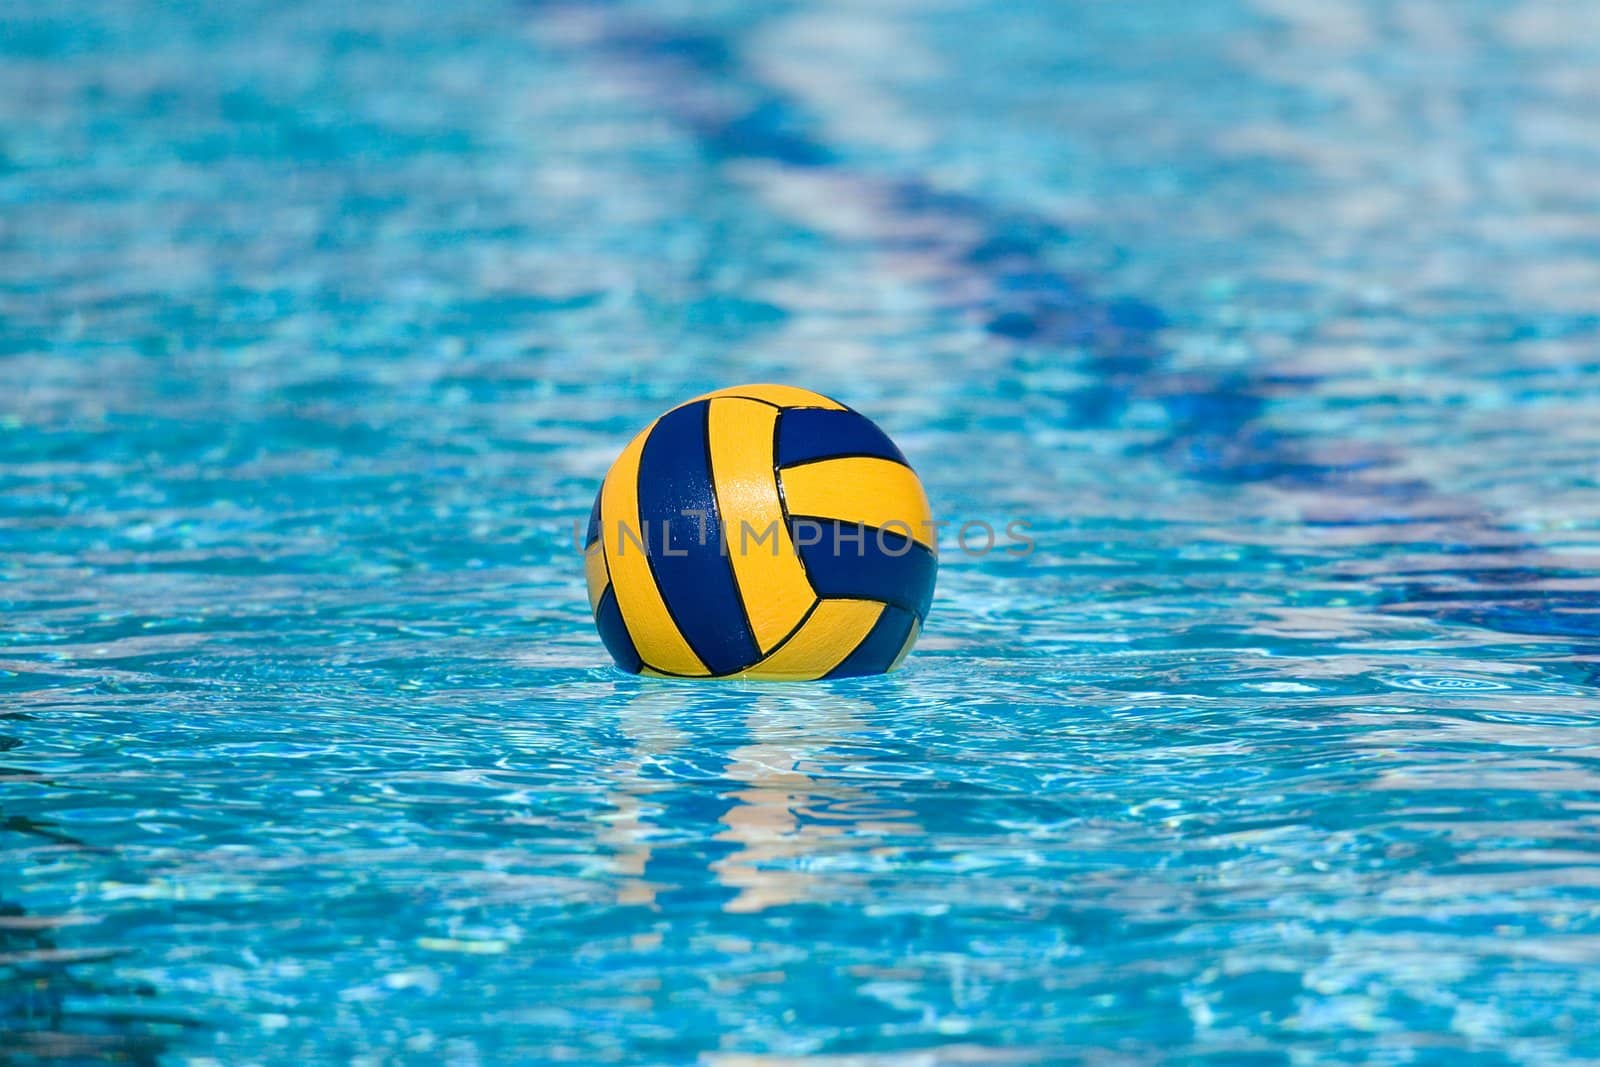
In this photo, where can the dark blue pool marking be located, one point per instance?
(698, 79)
(764, 124)
(1214, 436)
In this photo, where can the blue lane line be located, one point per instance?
(703, 84)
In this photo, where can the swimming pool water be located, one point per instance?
(320, 323)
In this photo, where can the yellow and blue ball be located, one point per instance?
(763, 531)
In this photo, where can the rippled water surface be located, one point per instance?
(319, 324)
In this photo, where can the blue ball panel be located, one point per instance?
(877, 650)
(608, 619)
(805, 434)
(885, 566)
(698, 587)
(594, 523)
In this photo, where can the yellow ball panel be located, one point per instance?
(872, 492)
(786, 396)
(828, 636)
(649, 623)
(594, 572)
(772, 582)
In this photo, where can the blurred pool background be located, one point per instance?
(319, 324)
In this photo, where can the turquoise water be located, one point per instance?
(320, 323)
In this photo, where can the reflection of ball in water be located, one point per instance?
(764, 531)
